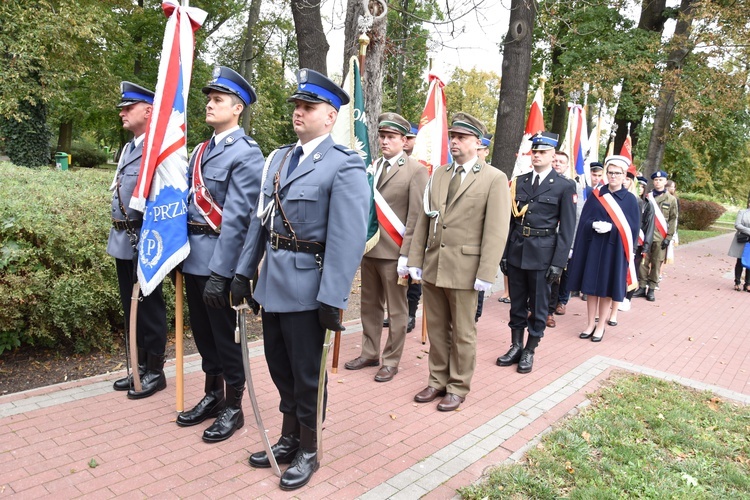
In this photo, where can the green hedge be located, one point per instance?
(699, 214)
(58, 286)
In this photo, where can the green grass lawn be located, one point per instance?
(640, 438)
(689, 235)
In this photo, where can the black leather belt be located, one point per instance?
(194, 228)
(530, 231)
(124, 225)
(282, 242)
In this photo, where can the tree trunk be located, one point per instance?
(559, 121)
(516, 68)
(65, 136)
(372, 73)
(311, 39)
(682, 46)
(249, 53)
(652, 19)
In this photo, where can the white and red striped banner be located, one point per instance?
(534, 124)
(659, 221)
(431, 145)
(626, 233)
(162, 189)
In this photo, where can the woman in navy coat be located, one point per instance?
(604, 246)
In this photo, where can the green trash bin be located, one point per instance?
(61, 161)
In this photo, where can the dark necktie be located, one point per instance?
(383, 172)
(294, 161)
(132, 146)
(536, 184)
(455, 183)
(211, 145)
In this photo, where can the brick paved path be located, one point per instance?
(378, 442)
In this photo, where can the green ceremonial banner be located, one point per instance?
(351, 130)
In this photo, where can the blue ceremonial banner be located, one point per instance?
(162, 188)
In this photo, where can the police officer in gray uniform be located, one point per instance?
(314, 208)
(135, 110)
(224, 175)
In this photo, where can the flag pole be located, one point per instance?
(178, 345)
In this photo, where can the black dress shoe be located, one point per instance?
(612, 323)
(598, 339)
(126, 383)
(386, 322)
(514, 353)
(412, 323)
(650, 295)
(153, 380)
(283, 451)
(298, 474)
(526, 363)
(585, 335)
(641, 292)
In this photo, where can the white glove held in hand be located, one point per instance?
(482, 286)
(415, 273)
(602, 227)
(401, 268)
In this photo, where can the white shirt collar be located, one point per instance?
(220, 137)
(311, 146)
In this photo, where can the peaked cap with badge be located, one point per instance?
(315, 87)
(464, 123)
(413, 129)
(132, 93)
(542, 141)
(660, 174)
(393, 122)
(486, 139)
(228, 81)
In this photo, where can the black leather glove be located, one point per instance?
(504, 266)
(240, 290)
(664, 243)
(553, 274)
(216, 292)
(329, 318)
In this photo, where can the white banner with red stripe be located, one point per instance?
(386, 216)
(207, 207)
(659, 221)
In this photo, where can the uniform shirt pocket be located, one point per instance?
(550, 200)
(471, 249)
(301, 203)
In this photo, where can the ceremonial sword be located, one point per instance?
(321, 390)
(241, 337)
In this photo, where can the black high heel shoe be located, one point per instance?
(585, 335)
(597, 339)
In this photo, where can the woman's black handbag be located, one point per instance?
(742, 238)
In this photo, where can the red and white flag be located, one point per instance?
(431, 145)
(162, 189)
(627, 147)
(534, 124)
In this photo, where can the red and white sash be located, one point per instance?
(659, 220)
(205, 204)
(387, 218)
(623, 227)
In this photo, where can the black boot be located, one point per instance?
(526, 363)
(412, 323)
(650, 295)
(305, 463)
(641, 292)
(514, 353)
(153, 380)
(230, 419)
(210, 406)
(126, 383)
(285, 449)
(413, 304)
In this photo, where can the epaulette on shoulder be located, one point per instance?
(250, 140)
(344, 149)
(291, 144)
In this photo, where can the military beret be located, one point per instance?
(315, 87)
(544, 140)
(393, 122)
(659, 174)
(228, 81)
(464, 123)
(132, 93)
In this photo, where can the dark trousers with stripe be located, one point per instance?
(528, 287)
(151, 329)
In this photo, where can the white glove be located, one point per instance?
(570, 254)
(401, 268)
(415, 273)
(602, 227)
(482, 286)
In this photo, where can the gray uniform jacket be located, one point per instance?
(326, 200)
(231, 173)
(118, 244)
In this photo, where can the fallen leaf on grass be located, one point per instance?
(569, 468)
(586, 436)
(690, 479)
(660, 416)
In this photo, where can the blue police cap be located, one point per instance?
(642, 180)
(132, 93)
(413, 129)
(228, 81)
(486, 138)
(544, 140)
(659, 174)
(316, 87)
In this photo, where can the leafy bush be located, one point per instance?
(87, 155)
(27, 138)
(699, 214)
(58, 286)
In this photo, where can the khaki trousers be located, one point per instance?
(648, 274)
(453, 337)
(380, 286)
